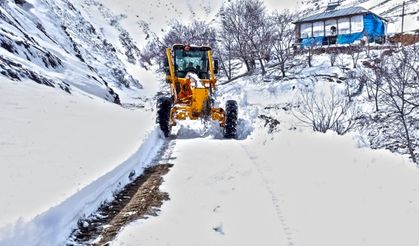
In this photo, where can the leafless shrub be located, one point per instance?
(371, 76)
(333, 56)
(310, 53)
(341, 63)
(354, 86)
(354, 51)
(329, 110)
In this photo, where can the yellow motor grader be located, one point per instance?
(190, 71)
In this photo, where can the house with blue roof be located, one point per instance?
(340, 26)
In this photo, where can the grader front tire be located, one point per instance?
(230, 128)
(164, 105)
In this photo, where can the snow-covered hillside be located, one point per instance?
(72, 45)
(61, 156)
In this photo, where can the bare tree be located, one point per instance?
(401, 91)
(310, 52)
(259, 31)
(371, 76)
(282, 38)
(354, 51)
(333, 56)
(232, 29)
(325, 111)
(245, 24)
(198, 33)
(226, 53)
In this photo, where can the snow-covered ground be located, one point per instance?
(294, 189)
(61, 156)
(288, 187)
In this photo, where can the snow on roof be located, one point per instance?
(334, 13)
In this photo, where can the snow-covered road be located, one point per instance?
(292, 189)
(218, 197)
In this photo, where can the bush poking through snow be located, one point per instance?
(326, 110)
(392, 85)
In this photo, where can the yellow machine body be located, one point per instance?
(192, 96)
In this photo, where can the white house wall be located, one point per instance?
(344, 25)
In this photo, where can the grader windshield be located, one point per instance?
(191, 59)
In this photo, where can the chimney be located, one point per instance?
(332, 5)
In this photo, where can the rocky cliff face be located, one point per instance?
(63, 44)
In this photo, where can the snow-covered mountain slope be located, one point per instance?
(72, 45)
(391, 10)
(146, 17)
(62, 155)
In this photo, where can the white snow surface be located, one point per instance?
(294, 189)
(289, 187)
(61, 156)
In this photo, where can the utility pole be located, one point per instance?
(404, 3)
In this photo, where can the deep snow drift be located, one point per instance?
(69, 45)
(61, 156)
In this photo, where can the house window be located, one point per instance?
(344, 26)
(318, 29)
(306, 30)
(357, 23)
(331, 27)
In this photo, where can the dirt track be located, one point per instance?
(138, 199)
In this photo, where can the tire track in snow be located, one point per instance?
(137, 200)
(276, 199)
(165, 153)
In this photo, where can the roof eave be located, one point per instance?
(334, 17)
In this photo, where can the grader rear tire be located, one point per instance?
(164, 105)
(230, 128)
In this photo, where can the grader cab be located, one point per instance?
(190, 71)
